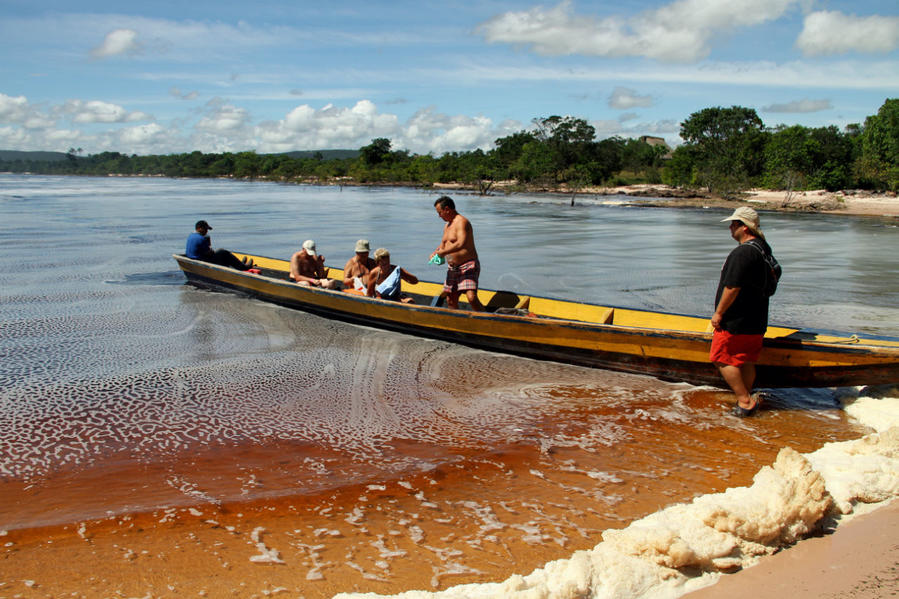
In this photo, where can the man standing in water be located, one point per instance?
(741, 309)
(457, 247)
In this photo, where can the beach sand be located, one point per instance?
(860, 560)
(847, 202)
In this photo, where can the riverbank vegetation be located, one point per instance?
(725, 150)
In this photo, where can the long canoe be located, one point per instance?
(665, 345)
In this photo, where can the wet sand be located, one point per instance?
(478, 520)
(859, 560)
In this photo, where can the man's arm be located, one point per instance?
(728, 297)
(320, 270)
(373, 275)
(408, 276)
(348, 273)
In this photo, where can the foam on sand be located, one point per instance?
(687, 546)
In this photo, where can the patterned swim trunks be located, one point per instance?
(463, 277)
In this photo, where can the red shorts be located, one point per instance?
(735, 350)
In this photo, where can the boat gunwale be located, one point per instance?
(843, 341)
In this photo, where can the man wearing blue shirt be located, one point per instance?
(199, 247)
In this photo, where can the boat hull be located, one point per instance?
(792, 359)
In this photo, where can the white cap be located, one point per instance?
(309, 246)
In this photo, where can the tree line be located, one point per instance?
(725, 150)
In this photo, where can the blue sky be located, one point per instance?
(165, 76)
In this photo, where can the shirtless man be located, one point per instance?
(358, 266)
(457, 247)
(308, 268)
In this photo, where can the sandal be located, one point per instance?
(741, 412)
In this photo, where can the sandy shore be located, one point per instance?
(850, 202)
(860, 560)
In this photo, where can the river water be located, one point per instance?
(405, 463)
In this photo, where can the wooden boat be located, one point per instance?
(667, 346)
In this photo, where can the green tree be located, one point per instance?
(376, 152)
(728, 145)
(878, 165)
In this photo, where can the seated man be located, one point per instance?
(384, 280)
(308, 268)
(355, 273)
(199, 247)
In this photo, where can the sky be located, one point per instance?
(269, 76)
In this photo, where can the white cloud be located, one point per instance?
(429, 131)
(177, 93)
(832, 32)
(15, 137)
(17, 110)
(117, 42)
(329, 127)
(223, 118)
(96, 111)
(623, 98)
(800, 106)
(848, 74)
(142, 135)
(14, 109)
(677, 32)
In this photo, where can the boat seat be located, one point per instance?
(505, 299)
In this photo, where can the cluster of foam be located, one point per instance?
(719, 532)
(291, 378)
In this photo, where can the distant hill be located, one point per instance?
(326, 154)
(10, 155)
(34, 156)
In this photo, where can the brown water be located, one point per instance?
(148, 428)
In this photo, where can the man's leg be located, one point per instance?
(472, 295)
(740, 380)
(226, 258)
(452, 300)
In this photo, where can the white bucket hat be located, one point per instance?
(748, 217)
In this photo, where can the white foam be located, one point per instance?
(719, 532)
(266, 555)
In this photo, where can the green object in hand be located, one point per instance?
(437, 259)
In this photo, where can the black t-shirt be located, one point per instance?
(745, 268)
